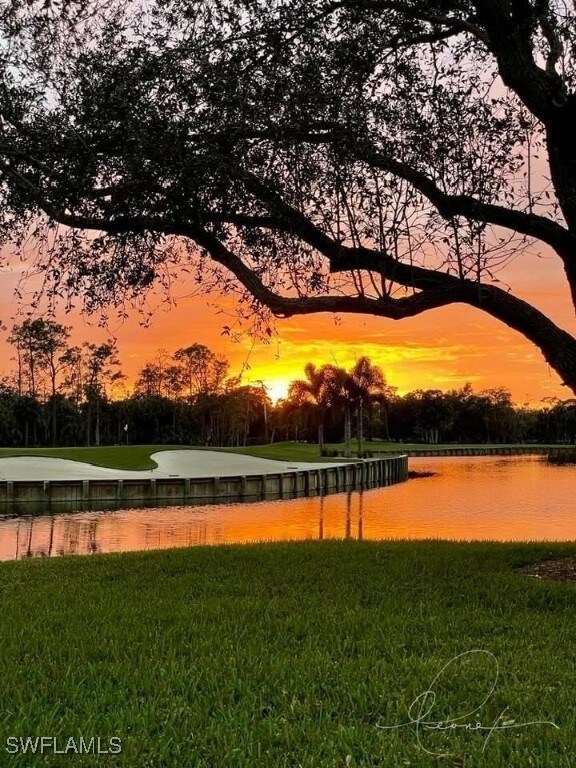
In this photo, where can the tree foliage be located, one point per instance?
(383, 156)
(330, 403)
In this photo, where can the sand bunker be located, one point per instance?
(170, 464)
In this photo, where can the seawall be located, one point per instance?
(504, 450)
(36, 496)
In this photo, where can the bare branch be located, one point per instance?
(530, 224)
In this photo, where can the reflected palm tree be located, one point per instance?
(51, 537)
(71, 536)
(321, 527)
(348, 534)
(17, 541)
(93, 537)
(360, 516)
(29, 545)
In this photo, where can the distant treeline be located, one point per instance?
(60, 394)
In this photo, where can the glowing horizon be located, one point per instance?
(443, 349)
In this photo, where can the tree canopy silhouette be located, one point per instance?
(385, 157)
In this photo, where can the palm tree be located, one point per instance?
(331, 387)
(368, 385)
(340, 392)
(312, 390)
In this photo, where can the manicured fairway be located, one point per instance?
(289, 655)
(138, 456)
(183, 463)
(115, 456)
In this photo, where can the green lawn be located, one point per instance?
(289, 655)
(138, 456)
(116, 456)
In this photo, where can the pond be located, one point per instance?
(498, 498)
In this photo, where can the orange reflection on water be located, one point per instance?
(469, 498)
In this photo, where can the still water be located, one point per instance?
(499, 498)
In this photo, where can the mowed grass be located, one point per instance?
(290, 655)
(138, 456)
(113, 456)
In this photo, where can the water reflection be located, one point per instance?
(136, 529)
(470, 498)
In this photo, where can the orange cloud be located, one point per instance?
(443, 349)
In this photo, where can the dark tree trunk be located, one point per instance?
(54, 407)
(359, 426)
(97, 425)
(88, 422)
(347, 431)
(54, 420)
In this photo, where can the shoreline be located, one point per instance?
(232, 481)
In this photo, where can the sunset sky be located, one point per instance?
(442, 350)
